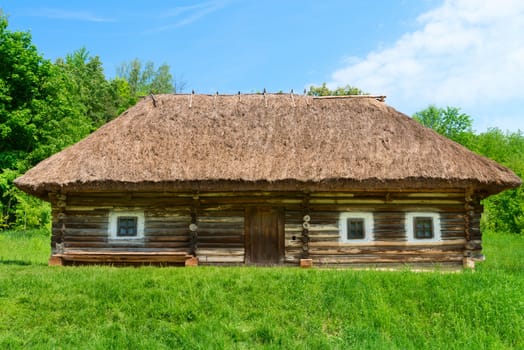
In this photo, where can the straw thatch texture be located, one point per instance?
(282, 141)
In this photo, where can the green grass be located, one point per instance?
(248, 308)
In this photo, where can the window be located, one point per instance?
(125, 224)
(356, 227)
(423, 227)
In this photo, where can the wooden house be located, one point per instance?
(269, 179)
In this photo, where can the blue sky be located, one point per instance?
(462, 53)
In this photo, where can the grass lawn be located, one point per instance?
(248, 308)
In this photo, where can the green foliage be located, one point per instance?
(448, 122)
(23, 74)
(340, 91)
(144, 79)
(7, 199)
(19, 210)
(31, 212)
(123, 94)
(96, 97)
(45, 107)
(505, 147)
(38, 117)
(37, 114)
(503, 212)
(257, 308)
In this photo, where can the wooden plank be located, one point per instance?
(166, 231)
(389, 250)
(254, 201)
(167, 238)
(221, 251)
(98, 238)
(165, 224)
(219, 219)
(129, 249)
(293, 243)
(110, 257)
(204, 259)
(220, 240)
(86, 231)
(389, 243)
(436, 195)
(386, 259)
(219, 230)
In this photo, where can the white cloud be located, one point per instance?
(180, 10)
(466, 53)
(69, 15)
(185, 15)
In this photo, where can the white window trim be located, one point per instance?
(368, 226)
(113, 224)
(437, 237)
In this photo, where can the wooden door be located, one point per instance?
(264, 236)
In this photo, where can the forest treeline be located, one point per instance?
(46, 106)
(503, 212)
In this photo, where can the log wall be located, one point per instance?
(220, 236)
(80, 223)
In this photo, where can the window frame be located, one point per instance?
(411, 231)
(114, 217)
(368, 226)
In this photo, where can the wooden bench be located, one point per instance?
(123, 258)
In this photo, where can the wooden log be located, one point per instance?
(192, 261)
(166, 238)
(292, 259)
(221, 251)
(306, 263)
(55, 260)
(86, 238)
(219, 244)
(216, 220)
(220, 231)
(458, 258)
(205, 259)
(387, 250)
(105, 257)
(388, 243)
(184, 250)
(293, 243)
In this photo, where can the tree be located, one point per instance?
(144, 79)
(21, 72)
(123, 96)
(87, 83)
(38, 116)
(323, 90)
(503, 212)
(45, 107)
(448, 122)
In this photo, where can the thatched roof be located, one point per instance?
(263, 142)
